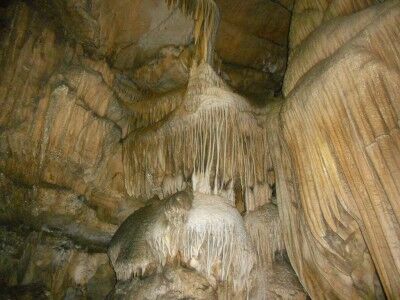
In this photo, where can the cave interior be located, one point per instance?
(200, 149)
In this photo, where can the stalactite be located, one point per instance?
(213, 138)
(206, 16)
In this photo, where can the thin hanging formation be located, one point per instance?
(205, 13)
(212, 140)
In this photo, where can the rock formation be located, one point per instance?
(335, 148)
(199, 149)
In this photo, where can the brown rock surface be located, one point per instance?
(51, 267)
(129, 34)
(173, 283)
(263, 27)
(60, 123)
(77, 77)
(336, 148)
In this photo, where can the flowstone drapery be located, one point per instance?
(215, 242)
(206, 16)
(203, 231)
(212, 140)
(212, 143)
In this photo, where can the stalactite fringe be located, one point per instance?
(205, 13)
(213, 139)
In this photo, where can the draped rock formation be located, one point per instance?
(335, 151)
(199, 149)
(212, 138)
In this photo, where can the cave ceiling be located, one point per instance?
(251, 43)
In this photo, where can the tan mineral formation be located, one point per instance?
(200, 149)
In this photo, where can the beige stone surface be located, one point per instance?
(336, 148)
(173, 283)
(77, 77)
(60, 122)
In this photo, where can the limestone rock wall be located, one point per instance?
(59, 128)
(76, 77)
(40, 266)
(337, 146)
(260, 65)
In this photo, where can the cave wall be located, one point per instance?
(59, 132)
(66, 86)
(61, 180)
(337, 147)
(71, 73)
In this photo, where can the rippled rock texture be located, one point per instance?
(305, 196)
(337, 146)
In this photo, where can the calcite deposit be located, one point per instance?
(199, 149)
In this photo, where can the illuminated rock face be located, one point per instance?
(336, 148)
(106, 104)
(204, 232)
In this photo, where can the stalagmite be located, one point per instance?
(215, 242)
(264, 228)
(207, 233)
(149, 237)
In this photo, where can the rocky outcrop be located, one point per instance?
(60, 129)
(40, 266)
